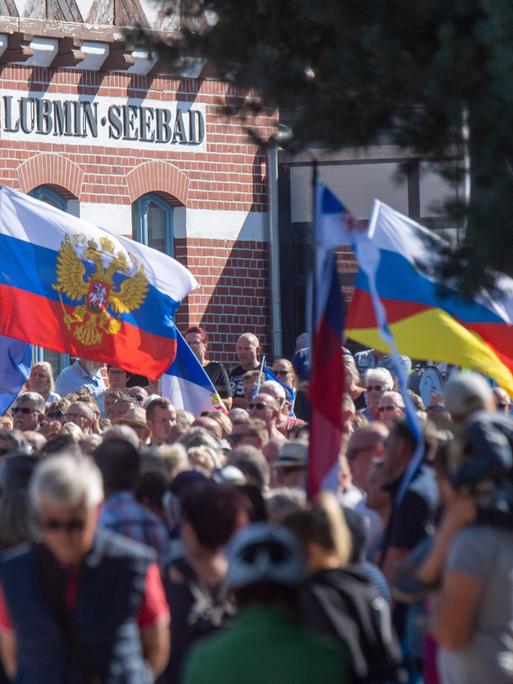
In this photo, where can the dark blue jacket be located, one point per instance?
(110, 589)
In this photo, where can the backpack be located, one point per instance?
(345, 604)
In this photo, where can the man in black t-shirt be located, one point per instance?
(247, 350)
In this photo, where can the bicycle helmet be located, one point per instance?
(262, 552)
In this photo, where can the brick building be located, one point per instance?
(103, 132)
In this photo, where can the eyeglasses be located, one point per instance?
(73, 525)
(23, 409)
(378, 388)
(281, 372)
(259, 406)
(75, 415)
(55, 414)
(389, 408)
(139, 397)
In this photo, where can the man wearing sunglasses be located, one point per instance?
(28, 411)
(84, 604)
(266, 408)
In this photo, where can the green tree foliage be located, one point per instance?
(353, 72)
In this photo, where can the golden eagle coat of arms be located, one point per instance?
(102, 299)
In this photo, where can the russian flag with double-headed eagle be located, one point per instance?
(70, 286)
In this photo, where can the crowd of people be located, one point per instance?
(142, 543)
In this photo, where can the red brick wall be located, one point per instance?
(233, 297)
(229, 175)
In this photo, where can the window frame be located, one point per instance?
(140, 231)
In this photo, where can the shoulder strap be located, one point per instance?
(64, 618)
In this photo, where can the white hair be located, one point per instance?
(184, 418)
(67, 480)
(395, 396)
(381, 375)
(275, 390)
(150, 398)
(122, 432)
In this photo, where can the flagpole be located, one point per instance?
(260, 374)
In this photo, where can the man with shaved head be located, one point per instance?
(247, 350)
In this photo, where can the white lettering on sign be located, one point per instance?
(105, 121)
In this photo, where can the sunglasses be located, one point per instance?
(23, 409)
(389, 408)
(281, 372)
(378, 388)
(259, 406)
(139, 397)
(73, 525)
(55, 414)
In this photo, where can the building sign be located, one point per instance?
(105, 121)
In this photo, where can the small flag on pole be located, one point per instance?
(187, 385)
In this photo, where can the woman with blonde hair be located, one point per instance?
(41, 381)
(339, 599)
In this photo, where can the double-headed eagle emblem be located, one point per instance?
(104, 294)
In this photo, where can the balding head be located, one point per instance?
(275, 390)
(467, 393)
(265, 407)
(248, 350)
(210, 425)
(365, 447)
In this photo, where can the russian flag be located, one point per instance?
(333, 226)
(186, 384)
(67, 285)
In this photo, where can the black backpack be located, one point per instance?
(345, 604)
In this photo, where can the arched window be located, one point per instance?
(46, 194)
(58, 361)
(152, 223)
